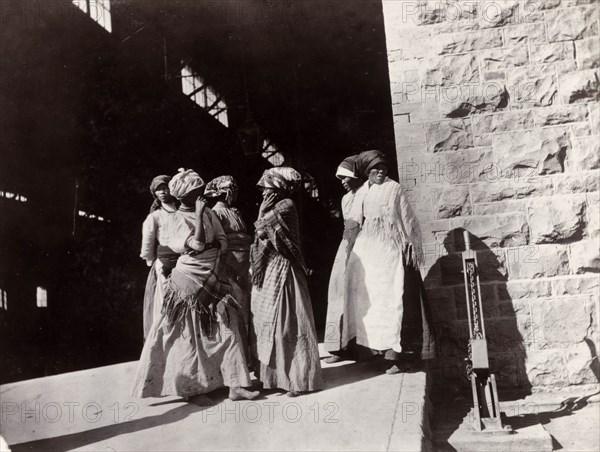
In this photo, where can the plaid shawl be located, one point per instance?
(283, 238)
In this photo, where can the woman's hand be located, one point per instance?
(195, 244)
(267, 204)
(200, 204)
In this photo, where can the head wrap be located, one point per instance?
(346, 168)
(184, 182)
(158, 181)
(281, 178)
(365, 161)
(222, 185)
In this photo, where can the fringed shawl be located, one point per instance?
(195, 284)
(397, 222)
(283, 238)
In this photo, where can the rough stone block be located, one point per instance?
(452, 202)
(494, 60)
(452, 70)
(496, 208)
(552, 116)
(499, 231)
(509, 369)
(531, 88)
(525, 33)
(593, 203)
(409, 134)
(515, 290)
(584, 156)
(581, 182)
(556, 219)
(580, 362)
(461, 101)
(442, 304)
(551, 53)
(582, 86)
(572, 24)
(512, 308)
(498, 190)
(537, 5)
(498, 14)
(555, 329)
(546, 368)
(588, 53)
(576, 285)
(449, 136)
(503, 122)
(507, 334)
(467, 42)
(541, 150)
(431, 12)
(585, 257)
(542, 261)
(594, 109)
(450, 167)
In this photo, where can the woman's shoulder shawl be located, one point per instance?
(282, 227)
(410, 229)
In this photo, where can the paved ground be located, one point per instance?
(571, 417)
(361, 408)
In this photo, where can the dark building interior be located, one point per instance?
(90, 115)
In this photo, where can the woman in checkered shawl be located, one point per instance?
(285, 343)
(195, 346)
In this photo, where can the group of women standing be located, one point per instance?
(206, 320)
(218, 303)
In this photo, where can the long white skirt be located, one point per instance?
(375, 281)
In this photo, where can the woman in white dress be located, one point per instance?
(389, 240)
(340, 328)
(155, 251)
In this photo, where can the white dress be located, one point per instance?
(340, 328)
(375, 271)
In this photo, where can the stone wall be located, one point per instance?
(497, 132)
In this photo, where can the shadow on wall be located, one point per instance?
(505, 321)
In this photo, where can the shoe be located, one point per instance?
(293, 394)
(241, 393)
(333, 359)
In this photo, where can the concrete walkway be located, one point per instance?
(360, 409)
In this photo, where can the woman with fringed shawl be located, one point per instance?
(195, 346)
(285, 346)
(223, 192)
(388, 243)
(155, 251)
(340, 328)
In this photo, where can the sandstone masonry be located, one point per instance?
(497, 132)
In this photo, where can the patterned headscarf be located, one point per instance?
(184, 182)
(281, 178)
(365, 161)
(346, 168)
(158, 181)
(222, 185)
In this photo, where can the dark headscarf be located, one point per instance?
(156, 182)
(366, 161)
